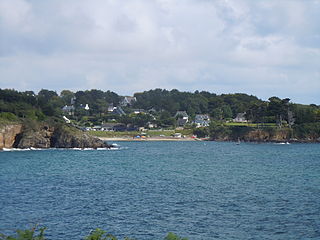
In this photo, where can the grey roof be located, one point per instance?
(68, 108)
(119, 111)
(182, 122)
(202, 117)
(128, 100)
(181, 113)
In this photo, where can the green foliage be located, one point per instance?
(97, 100)
(172, 236)
(163, 104)
(307, 131)
(97, 234)
(237, 132)
(165, 119)
(28, 234)
(66, 96)
(306, 113)
(218, 131)
(8, 116)
(201, 132)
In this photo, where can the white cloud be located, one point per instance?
(128, 46)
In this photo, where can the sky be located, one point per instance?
(261, 47)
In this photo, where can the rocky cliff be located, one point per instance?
(8, 133)
(250, 134)
(259, 135)
(42, 135)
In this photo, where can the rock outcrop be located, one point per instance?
(259, 135)
(42, 135)
(250, 134)
(39, 137)
(8, 134)
(70, 138)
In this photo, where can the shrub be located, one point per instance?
(32, 234)
(97, 234)
(8, 116)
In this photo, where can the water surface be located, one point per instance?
(200, 190)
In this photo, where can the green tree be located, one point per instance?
(218, 131)
(66, 96)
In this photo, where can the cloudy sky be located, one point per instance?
(265, 48)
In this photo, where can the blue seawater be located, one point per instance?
(199, 190)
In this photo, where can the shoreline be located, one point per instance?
(127, 139)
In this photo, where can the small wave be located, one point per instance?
(22, 149)
(283, 143)
(15, 149)
(92, 149)
(72, 149)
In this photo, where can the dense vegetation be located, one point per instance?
(158, 107)
(98, 234)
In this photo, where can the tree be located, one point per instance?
(201, 132)
(46, 95)
(279, 109)
(67, 96)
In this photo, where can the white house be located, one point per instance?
(241, 117)
(202, 120)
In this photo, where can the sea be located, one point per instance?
(144, 190)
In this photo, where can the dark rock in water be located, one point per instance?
(59, 136)
(65, 139)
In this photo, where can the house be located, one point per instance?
(182, 118)
(151, 125)
(128, 101)
(97, 128)
(118, 111)
(181, 114)
(241, 117)
(85, 107)
(111, 107)
(68, 110)
(181, 122)
(202, 120)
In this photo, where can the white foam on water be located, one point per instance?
(15, 149)
(72, 149)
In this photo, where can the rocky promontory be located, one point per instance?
(44, 135)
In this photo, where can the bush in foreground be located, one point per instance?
(97, 234)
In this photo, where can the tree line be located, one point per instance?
(159, 104)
